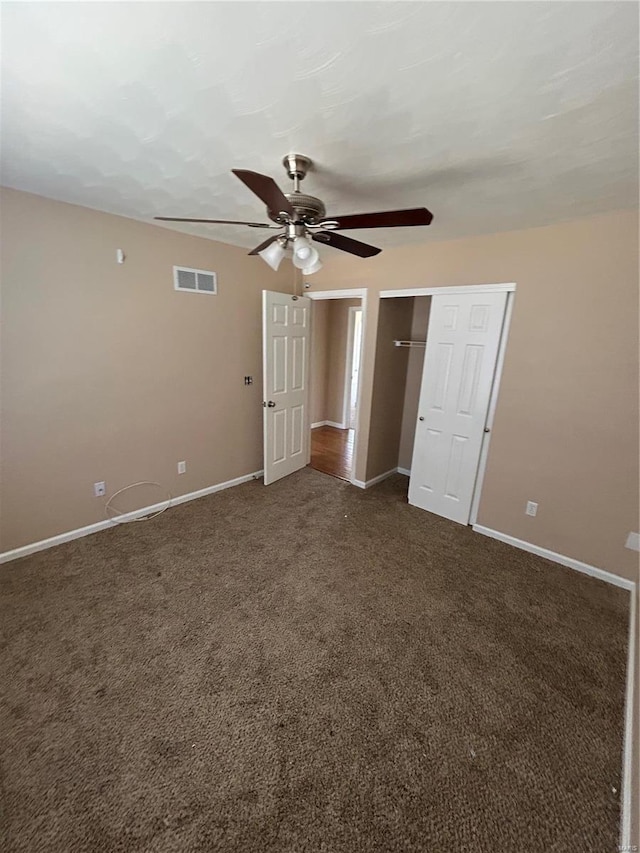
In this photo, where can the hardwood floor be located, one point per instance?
(332, 451)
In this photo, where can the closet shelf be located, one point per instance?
(409, 343)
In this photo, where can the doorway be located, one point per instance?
(337, 323)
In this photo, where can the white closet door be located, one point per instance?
(459, 366)
(285, 353)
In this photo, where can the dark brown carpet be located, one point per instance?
(308, 667)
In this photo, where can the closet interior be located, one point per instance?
(399, 359)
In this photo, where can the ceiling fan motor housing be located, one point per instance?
(308, 209)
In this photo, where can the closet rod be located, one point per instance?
(409, 343)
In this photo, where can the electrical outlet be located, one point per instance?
(182, 467)
(99, 489)
(532, 508)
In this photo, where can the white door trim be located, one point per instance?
(354, 293)
(505, 287)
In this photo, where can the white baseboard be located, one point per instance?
(380, 478)
(70, 535)
(627, 755)
(328, 423)
(585, 568)
(405, 471)
(366, 485)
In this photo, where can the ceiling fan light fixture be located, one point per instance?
(314, 267)
(304, 255)
(273, 254)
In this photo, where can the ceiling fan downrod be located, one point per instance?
(297, 166)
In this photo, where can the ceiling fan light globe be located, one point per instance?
(273, 255)
(311, 257)
(314, 267)
(303, 252)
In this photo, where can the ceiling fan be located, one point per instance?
(299, 217)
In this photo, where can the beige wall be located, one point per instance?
(419, 324)
(387, 397)
(566, 426)
(109, 374)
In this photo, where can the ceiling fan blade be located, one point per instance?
(217, 221)
(266, 189)
(384, 219)
(346, 244)
(264, 245)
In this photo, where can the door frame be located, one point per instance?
(354, 293)
(348, 367)
(505, 287)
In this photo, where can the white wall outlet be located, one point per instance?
(182, 467)
(99, 489)
(633, 541)
(532, 508)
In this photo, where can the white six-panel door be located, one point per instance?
(285, 351)
(459, 365)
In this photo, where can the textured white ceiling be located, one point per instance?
(493, 115)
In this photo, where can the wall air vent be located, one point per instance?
(194, 281)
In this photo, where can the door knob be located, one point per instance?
(271, 404)
(486, 429)
(420, 418)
